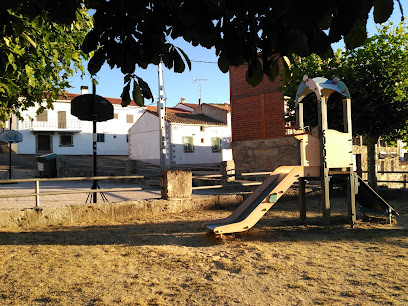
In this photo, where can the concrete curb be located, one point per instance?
(117, 211)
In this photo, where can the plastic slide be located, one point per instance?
(261, 200)
(372, 202)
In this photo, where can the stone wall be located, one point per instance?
(119, 211)
(265, 154)
(386, 160)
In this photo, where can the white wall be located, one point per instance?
(144, 142)
(202, 150)
(115, 131)
(144, 139)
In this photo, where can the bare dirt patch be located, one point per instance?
(170, 260)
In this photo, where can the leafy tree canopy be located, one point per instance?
(134, 34)
(37, 57)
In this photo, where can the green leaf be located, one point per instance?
(30, 40)
(125, 95)
(137, 94)
(185, 57)
(383, 10)
(357, 36)
(127, 77)
(90, 42)
(223, 63)
(96, 62)
(254, 73)
(146, 92)
(179, 65)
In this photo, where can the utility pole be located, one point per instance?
(94, 145)
(161, 111)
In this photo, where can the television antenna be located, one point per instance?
(199, 81)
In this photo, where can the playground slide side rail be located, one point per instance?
(261, 200)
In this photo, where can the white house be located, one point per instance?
(57, 131)
(201, 136)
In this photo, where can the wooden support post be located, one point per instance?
(302, 183)
(324, 172)
(351, 197)
(37, 193)
(351, 182)
(302, 198)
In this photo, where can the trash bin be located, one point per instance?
(47, 165)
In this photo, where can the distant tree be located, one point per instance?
(134, 34)
(37, 58)
(377, 76)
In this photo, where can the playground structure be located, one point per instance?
(324, 153)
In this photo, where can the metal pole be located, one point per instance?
(94, 147)
(10, 150)
(161, 110)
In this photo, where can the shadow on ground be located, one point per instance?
(190, 233)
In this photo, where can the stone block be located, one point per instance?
(227, 168)
(177, 184)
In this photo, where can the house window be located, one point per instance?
(100, 137)
(216, 144)
(188, 144)
(115, 116)
(66, 140)
(43, 117)
(129, 118)
(202, 128)
(62, 120)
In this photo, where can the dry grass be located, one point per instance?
(170, 260)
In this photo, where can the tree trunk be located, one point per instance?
(371, 161)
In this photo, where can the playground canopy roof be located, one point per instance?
(322, 87)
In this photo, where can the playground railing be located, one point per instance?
(37, 181)
(234, 183)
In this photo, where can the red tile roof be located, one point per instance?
(175, 115)
(168, 109)
(191, 105)
(71, 96)
(224, 106)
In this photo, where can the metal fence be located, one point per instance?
(37, 181)
(244, 177)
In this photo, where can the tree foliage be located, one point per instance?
(133, 34)
(37, 58)
(376, 75)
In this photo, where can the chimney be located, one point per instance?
(84, 90)
(182, 100)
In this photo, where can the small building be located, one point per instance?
(260, 137)
(57, 131)
(195, 135)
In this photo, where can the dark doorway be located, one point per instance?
(44, 144)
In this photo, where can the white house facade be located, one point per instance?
(57, 131)
(191, 137)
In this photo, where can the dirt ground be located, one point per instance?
(171, 260)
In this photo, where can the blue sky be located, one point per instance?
(215, 88)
